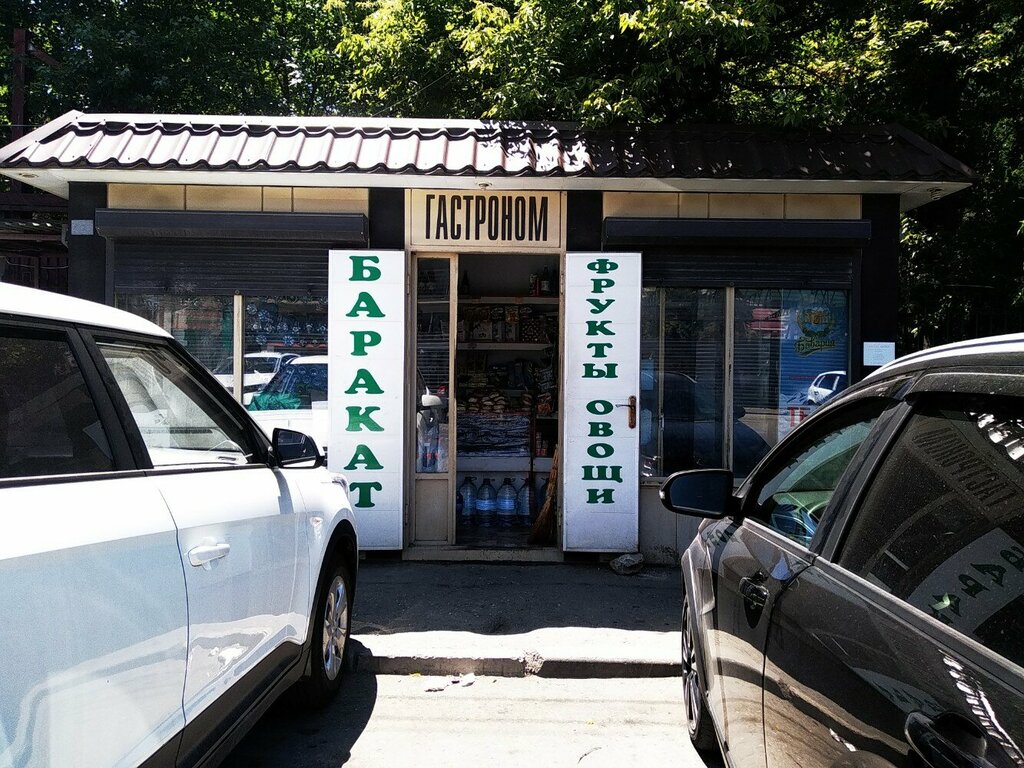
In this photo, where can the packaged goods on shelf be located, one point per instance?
(493, 434)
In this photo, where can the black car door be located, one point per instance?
(903, 644)
(756, 558)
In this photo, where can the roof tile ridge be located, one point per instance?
(922, 144)
(39, 135)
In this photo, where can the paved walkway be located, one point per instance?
(562, 620)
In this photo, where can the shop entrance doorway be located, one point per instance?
(486, 398)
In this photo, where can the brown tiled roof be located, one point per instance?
(463, 148)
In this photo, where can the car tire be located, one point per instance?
(329, 640)
(698, 719)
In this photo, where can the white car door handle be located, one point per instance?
(205, 554)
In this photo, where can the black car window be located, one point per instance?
(792, 492)
(48, 422)
(942, 524)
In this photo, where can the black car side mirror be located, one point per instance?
(291, 447)
(699, 492)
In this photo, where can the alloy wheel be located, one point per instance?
(335, 627)
(691, 681)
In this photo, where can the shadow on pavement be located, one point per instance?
(500, 599)
(291, 735)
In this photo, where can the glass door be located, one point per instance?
(433, 510)
(508, 401)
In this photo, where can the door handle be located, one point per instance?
(205, 554)
(948, 741)
(631, 404)
(755, 593)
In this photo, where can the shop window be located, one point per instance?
(432, 359)
(201, 324)
(790, 355)
(682, 353)
(280, 330)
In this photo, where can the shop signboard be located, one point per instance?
(601, 383)
(452, 218)
(366, 375)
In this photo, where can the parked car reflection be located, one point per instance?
(296, 398)
(691, 431)
(258, 368)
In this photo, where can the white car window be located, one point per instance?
(179, 421)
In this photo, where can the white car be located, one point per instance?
(296, 398)
(167, 570)
(824, 386)
(258, 368)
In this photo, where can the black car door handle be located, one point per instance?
(754, 593)
(949, 741)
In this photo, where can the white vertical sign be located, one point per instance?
(366, 343)
(601, 384)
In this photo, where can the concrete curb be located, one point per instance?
(497, 667)
(569, 653)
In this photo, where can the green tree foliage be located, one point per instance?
(951, 70)
(221, 57)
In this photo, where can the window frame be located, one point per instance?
(123, 458)
(914, 388)
(915, 385)
(93, 337)
(798, 440)
(727, 413)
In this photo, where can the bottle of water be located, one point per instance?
(486, 504)
(507, 513)
(467, 492)
(523, 503)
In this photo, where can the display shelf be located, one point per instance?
(513, 346)
(551, 300)
(542, 463)
(492, 464)
(432, 302)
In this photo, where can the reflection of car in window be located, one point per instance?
(258, 368)
(691, 430)
(825, 385)
(296, 398)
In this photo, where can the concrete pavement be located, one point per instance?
(561, 620)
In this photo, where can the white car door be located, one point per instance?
(94, 622)
(241, 534)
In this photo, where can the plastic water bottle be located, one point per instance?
(507, 513)
(467, 492)
(486, 504)
(523, 503)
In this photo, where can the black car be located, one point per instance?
(859, 600)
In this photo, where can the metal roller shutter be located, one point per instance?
(212, 267)
(764, 267)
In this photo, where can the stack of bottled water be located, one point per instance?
(467, 497)
(507, 513)
(486, 504)
(523, 503)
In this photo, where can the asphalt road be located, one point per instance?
(381, 720)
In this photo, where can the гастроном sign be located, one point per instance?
(366, 375)
(508, 220)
